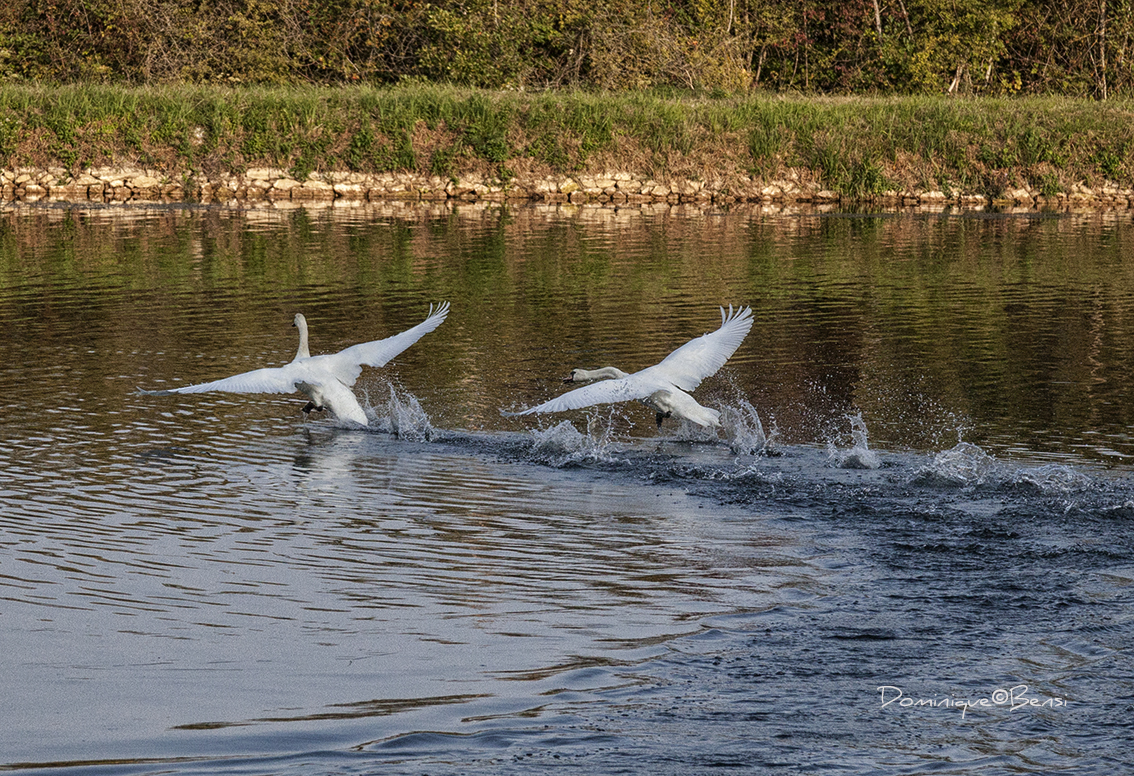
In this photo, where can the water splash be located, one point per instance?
(963, 465)
(563, 445)
(744, 431)
(966, 465)
(859, 455)
(688, 432)
(1053, 478)
(402, 415)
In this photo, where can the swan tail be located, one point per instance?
(337, 398)
(707, 417)
(696, 413)
(678, 404)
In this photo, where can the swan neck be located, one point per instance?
(597, 374)
(301, 324)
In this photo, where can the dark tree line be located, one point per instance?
(1075, 47)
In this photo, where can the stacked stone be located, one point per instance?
(105, 184)
(616, 187)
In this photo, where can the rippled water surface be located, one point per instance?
(907, 551)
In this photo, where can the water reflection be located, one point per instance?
(1005, 331)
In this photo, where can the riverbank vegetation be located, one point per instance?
(855, 146)
(992, 47)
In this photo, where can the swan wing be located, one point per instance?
(346, 365)
(604, 392)
(699, 358)
(268, 380)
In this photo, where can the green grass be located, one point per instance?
(857, 146)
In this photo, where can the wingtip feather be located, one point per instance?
(739, 314)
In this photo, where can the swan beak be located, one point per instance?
(568, 379)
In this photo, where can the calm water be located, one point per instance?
(923, 496)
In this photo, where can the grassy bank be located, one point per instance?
(856, 146)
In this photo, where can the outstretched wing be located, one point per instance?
(344, 366)
(347, 364)
(697, 359)
(604, 392)
(267, 380)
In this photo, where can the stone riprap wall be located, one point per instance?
(265, 184)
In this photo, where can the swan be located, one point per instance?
(662, 387)
(326, 380)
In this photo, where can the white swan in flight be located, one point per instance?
(662, 386)
(326, 380)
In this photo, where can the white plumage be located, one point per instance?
(663, 386)
(326, 380)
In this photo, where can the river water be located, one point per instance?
(909, 549)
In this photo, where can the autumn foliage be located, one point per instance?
(992, 47)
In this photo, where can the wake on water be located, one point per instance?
(742, 452)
